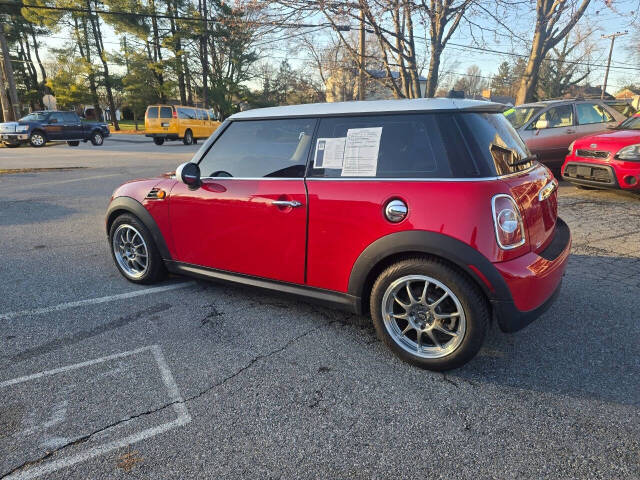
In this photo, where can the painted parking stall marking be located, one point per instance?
(53, 410)
(93, 301)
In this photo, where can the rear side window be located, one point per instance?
(592, 113)
(554, 117)
(392, 146)
(261, 148)
(494, 141)
(186, 113)
(70, 117)
(166, 112)
(152, 112)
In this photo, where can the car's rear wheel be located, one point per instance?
(134, 251)
(97, 139)
(188, 138)
(428, 313)
(37, 139)
(158, 140)
(73, 143)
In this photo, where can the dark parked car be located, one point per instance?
(38, 128)
(428, 214)
(549, 127)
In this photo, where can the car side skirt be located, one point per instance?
(342, 301)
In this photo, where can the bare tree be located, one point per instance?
(554, 20)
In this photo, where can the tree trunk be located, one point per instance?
(8, 71)
(204, 58)
(86, 55)
(177, 51)
(36, 52)
(529, 81)
(97, 36)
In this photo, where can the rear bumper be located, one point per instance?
(533, 280)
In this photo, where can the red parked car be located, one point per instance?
(608, 160)
(430, 215)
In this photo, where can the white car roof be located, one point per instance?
(371, 107)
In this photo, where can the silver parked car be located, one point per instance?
(549, 127)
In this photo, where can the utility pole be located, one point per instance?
(361, 70)
(8, 74)
(606, 75)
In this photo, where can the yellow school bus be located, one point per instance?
(177, 122)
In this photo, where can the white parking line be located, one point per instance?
(93, 301)
(167, 379)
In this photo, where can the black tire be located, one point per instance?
(155, 270)
(12, 145)
(470, 297)
(97, 139)
(38, 139)
(73, 143)
(188, 138)
(158, 140)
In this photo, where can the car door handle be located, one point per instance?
(286, 203)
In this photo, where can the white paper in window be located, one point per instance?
(329, 152)
(361, 152)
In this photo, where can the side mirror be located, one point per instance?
(189, 174)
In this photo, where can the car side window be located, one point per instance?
(391, 146)
(70, 117)
(592, 113)
(260, 148)
(186, 113)
(56, 118)
(554, 117)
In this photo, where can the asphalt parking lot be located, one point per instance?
(100, 378)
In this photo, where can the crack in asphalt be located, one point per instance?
(88, 436)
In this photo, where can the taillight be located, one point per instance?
(174, 113)
(507, 221)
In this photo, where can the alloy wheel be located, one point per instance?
(130, 251)
(423, 316)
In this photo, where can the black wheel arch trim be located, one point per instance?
(131, 205)
(429, 243)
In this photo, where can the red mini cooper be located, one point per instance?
(429, 215)
(607, 160)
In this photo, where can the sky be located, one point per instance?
(606, 16)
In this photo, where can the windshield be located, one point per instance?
(519, 116)
(34, 117)
(632, 123)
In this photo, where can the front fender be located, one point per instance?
(121, 205)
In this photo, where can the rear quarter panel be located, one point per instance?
(346, 216)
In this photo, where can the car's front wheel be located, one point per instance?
(134, 251)
(188, 138)
(37, 139)
(428, 313)
(97, 139)
(158, 140)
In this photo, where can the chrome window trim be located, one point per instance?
(376, 179)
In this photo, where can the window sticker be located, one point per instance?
(361, 152)
(329, 153)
